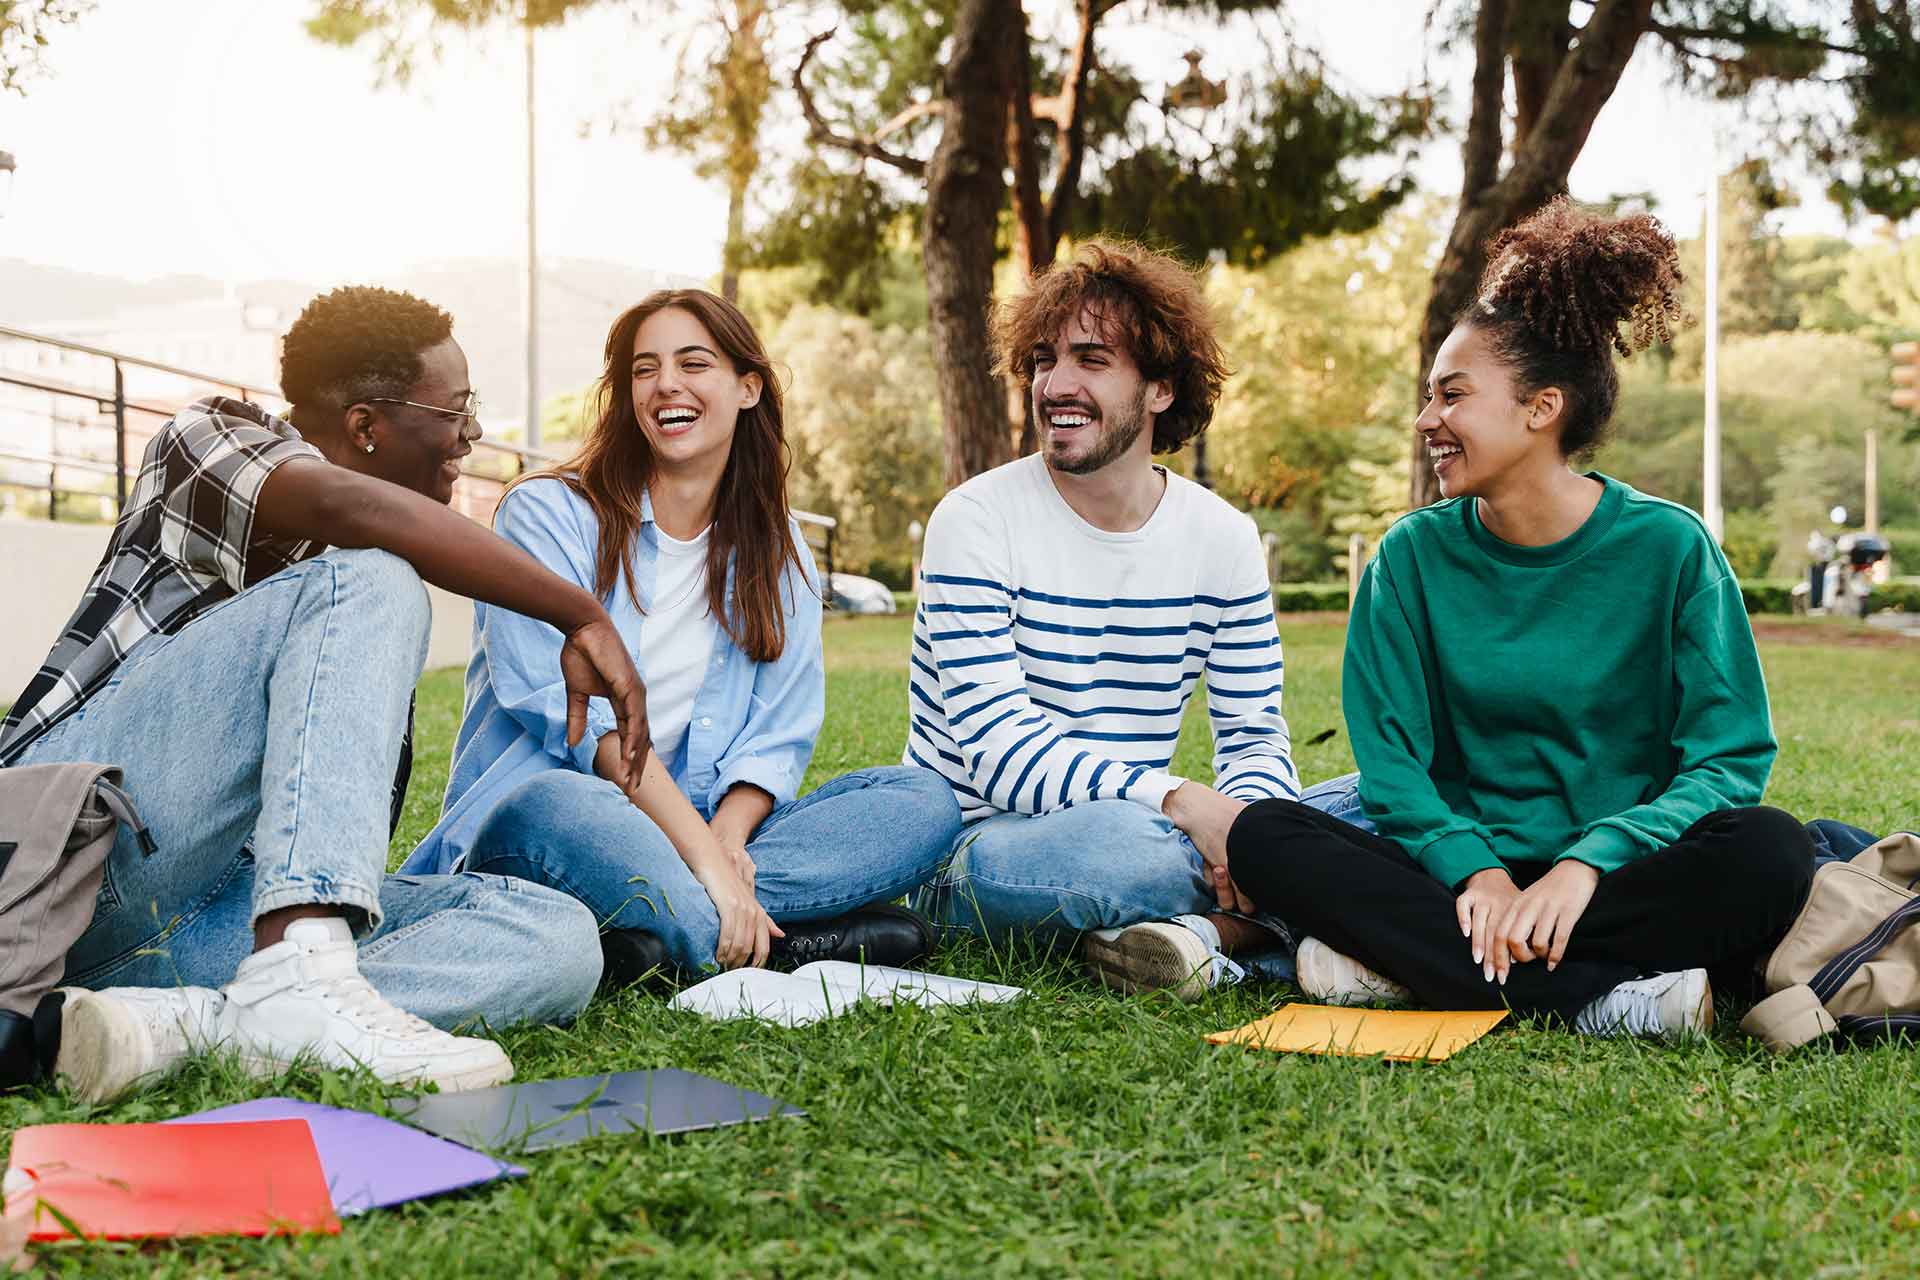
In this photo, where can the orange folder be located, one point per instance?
(1399, 1035)
(132, 1181)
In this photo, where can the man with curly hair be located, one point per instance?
(246, 653)
(1069, 604)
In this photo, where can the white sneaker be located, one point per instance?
(1667, 1006)
(1333, 978)
(114, 1040)
(1156, 956)
(303, 998)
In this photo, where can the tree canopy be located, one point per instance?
(1845, 77)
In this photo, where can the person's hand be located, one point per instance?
(595, 664)
(1485, 898)
(1207, 816)
(735, 847)
(746, 930)
(1540, 921)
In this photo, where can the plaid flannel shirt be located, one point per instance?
(184, 543)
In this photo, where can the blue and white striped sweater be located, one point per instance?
(1052, 660)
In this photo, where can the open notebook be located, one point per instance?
(826, 988)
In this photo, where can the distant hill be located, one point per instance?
(578, 301)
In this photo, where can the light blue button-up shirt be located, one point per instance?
(753, 722)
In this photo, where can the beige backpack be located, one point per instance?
(1851, 960)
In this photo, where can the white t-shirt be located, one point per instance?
(676, 640)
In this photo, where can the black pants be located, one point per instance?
(1718, 898)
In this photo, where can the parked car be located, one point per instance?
(851, 593)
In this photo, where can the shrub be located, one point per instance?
(1310, 597)
(1770, 595)
(1901, 594)
(1749, 540)
(895, 572)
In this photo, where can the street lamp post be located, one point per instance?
(533, 269)
(1710, 429)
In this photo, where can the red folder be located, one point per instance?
(131, 1181)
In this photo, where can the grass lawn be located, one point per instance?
(1079, 1133)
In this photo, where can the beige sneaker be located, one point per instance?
(1333, 978)
(1156, 956)
(123, 1038)
(303, 999)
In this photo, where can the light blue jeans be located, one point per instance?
(866, 837)
(259, 743)
(1100, 865)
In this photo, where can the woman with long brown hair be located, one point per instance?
(674, 512)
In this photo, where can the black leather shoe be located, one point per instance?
(632, 957)
(17, 1063)
(882, 935)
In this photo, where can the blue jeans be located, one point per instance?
(1100, 865)
(1837, 841)
(1339, 798)
(259, 743)
(866, 837)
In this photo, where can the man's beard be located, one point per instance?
(1116, 437)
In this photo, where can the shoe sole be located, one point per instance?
(1701, 1023)
(98, 1042)
(1149, 962)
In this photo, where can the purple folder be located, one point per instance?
(371, 1162)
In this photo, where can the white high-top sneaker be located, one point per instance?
(114, 1040)
(303, 997)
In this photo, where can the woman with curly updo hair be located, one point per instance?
(1552, 692)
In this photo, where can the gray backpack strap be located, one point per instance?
(60, 820)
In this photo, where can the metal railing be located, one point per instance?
(70, 408)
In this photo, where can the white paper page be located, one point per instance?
(784, 998)
(889, 985)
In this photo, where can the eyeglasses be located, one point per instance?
(471, 403)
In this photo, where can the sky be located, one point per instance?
(215, 137)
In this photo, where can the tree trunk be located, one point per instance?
(730, 253)
(1032, 244)
(1039, 222)
(965, 191)
(1584, 78)
(746, 81)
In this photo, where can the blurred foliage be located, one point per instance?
(863, 421)
(1290, 156)
(26, 28)
(1288, 168)
(1314, 419)
(565, 417)
(1297, 191)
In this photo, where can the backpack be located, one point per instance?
(57, 826)
(1850, 962)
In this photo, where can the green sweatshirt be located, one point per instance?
(1590, 699)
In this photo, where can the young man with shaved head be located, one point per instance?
(1070, 603)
